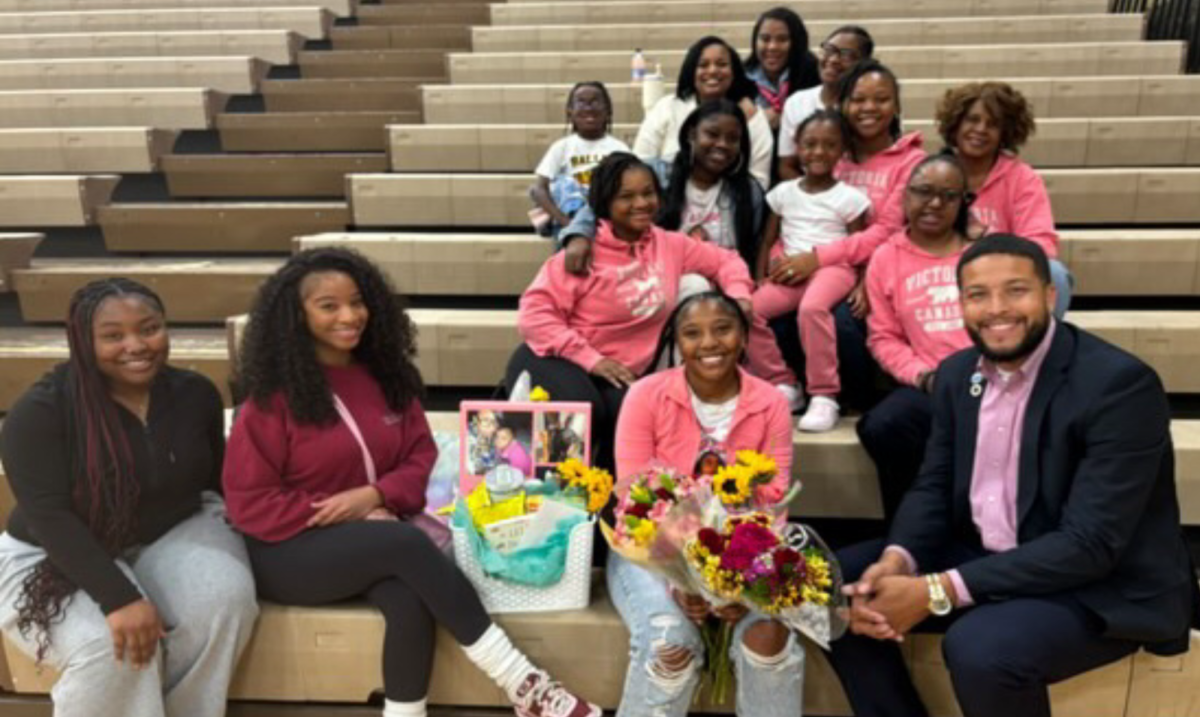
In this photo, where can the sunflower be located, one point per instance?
(599, 488)
(761, 467)
(571, 470)
(732, 484)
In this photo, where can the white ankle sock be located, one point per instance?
(495, 655)
(391, 708)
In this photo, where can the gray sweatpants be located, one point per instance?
(198, 578)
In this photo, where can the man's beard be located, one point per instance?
(1033, 338)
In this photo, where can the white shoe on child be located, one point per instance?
(822, 415)
(793, 394)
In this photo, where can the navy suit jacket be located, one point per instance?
(1097, 514)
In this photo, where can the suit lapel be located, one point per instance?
(1051, 377)
(966, 440)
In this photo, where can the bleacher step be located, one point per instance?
(84, 149)
(400, 37)
(466, 12)
(334, 64)
(230, 227)
(345, 95)
(278, 47)
(265, 175)
(310, 131)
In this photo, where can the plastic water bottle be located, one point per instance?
(637, 66)
(652, 88)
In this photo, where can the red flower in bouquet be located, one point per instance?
(748, 541)
(712, 540)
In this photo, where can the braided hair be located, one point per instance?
(105, 492)
(278, 353)
(666, 340)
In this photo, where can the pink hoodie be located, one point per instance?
(618, 310)
(657, 428)
(1013, 200)
(883, 178)
(916, 319)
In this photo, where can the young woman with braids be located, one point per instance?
(117, 547)
(707, 406)
(330, 457)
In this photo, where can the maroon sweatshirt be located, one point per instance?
(275, 467)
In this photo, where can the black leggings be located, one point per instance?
(566, 381)
(393, 565)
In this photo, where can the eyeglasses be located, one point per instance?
(589, 104)
(845, 54)
(926, 194)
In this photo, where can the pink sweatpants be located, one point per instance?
(815, 300)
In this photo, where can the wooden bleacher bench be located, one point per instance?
(957, 61)
(607, 12)
(1094, 97)
(232, 227)
(312, 22)
(372, 63)
(265, 175)
(275, 46)
(162, 108)
(885, 31)
(1139, 195)
(232, 75)
(310, 131)
(1059, 142)
(340, 8)
(83, 149)
(344, 94)
(53, 200)
(401, 37)
(16, 251)
(466, 12)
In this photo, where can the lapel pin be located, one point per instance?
(976, 385)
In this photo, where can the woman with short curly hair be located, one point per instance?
(328, 461)
(986, 124)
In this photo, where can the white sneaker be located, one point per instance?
(822, 415)
(793, 394)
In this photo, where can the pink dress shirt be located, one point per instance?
(997, 456)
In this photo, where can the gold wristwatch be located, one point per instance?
(939, 602)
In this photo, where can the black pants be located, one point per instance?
(566, 381)
(1001, 656)
(894, 434)
(393, 565)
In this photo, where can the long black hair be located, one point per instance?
(803, 72)
(666, 340)
(105, 488)
(962, 220)
(278, 353)
(737, 182)
(742, 88)
(846, 89)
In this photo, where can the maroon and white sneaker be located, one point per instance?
(540, 696)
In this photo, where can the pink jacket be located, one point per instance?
(916, 319)
(1013, 200)
(618, 310)
(883, 178)
(657, 428)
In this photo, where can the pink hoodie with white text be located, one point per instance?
(619, 309)
(916, 318)
(883, 179)
(1013, 200)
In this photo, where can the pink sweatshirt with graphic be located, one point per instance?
(619, 309)
(1013, 200)
(916, 319)
(883, 179)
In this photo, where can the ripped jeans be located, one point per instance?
(767, 686)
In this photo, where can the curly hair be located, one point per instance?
(278, 353)
(105, 492)
(1004, 103)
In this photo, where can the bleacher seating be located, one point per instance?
(424, 117)
(275, 46)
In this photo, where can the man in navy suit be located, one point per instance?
(1043, 531)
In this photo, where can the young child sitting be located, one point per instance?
(565, 172)
(509, 450)
(812, 211)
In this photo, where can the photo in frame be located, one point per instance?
(530, 436)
